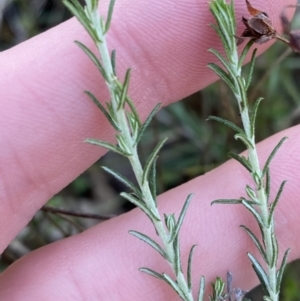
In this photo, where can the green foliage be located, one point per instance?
(259, 195)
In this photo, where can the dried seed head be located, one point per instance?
(259, 27)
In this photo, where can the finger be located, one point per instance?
(102, 263)
(45, 117)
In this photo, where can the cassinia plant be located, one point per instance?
(122, 115)
(258, 200)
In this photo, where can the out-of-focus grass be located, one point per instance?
(194, 147)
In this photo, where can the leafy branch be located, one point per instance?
(123, 117)
(257, 201)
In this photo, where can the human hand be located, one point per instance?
(44, 116)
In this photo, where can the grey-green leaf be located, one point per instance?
(181, 217)
(223, 75)
(228, 123)
(140, 204)
(201, 289)
(260, 272)
(252, 63)
(189, 268)
(151, 159)
(177, 257)
(253, 116)
(103, 110)
(109, 15)
(152, 273)
(274, 151)
(273, 205)
(151, 243)
(245, 140)
(223, 61)
(175, 286)
(256, 242)
(281, 269)
(244, 53)
(241, 159)
(124, 90)
(152, 179)
(146, 123)
(93, 58)
(113, 62)
(254, 213)
(108, 146)
(227, 201)
(125, 181)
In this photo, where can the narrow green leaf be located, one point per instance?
(152, 273)
(122, 144)
(275, 250)
(103, 110)
(227, 201)
(125, 181)
(129, 102)
(222, 37)
(181, 217)
(77, 10)
(281, 269)
(253, 116)
(109, 15)
(201, 289)
(113, 62)
(273, 205)
(228, 123)
(170, 221)
(151, 159)
(242, 92)
(274, 151)
(94, 4)
(223, 30)
(94, 59)
(124, 90)
(256, 242)
(242, 160)
(268, 184)
(244, 53)
(152, 179)
(223, 61)
(260, 272)
(175, 287)
(177, 257)
(146, 123)
(232, 15)
(108, 146)
(223, 75)
(252, 63)
(151, 243)
(244, 139)
(254, 213)
(251, 193)
(140, 204)
(189, 268)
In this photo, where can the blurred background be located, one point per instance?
(190, 150)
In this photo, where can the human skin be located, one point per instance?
(44, 119)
